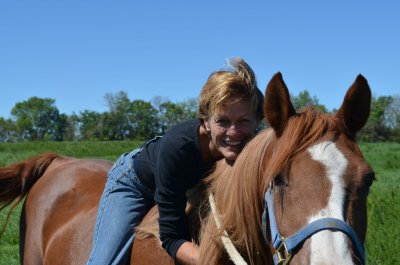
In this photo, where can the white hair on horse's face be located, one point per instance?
(329, 247)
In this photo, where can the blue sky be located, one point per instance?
(77, 51)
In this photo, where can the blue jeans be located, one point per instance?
(123, 205)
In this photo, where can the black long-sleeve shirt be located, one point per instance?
(170, 165)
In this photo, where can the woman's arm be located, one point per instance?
(188, 254)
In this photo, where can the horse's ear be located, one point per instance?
(277, 105)
(355, 108)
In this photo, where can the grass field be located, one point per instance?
(383, 237)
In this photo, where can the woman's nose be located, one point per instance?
(232, 130)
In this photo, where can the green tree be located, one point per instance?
(89, 125)
(171, 114)
(35, 118)
(116, 124)
(190, 108)
(376, 129)
(392, 112)
(392, 118)
(143, 120)
(71, 130)
(118, 102)
(304, 99)
(8, 131)
(61, 127)
(128, 119)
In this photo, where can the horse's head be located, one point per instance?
(318, 172)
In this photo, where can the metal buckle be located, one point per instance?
(284, 256)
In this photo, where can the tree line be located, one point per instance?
(38, 119)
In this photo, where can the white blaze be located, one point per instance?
(330, 247)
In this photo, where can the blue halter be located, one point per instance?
(284, 247)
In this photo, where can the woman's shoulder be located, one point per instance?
(184, 130)
(182, 137)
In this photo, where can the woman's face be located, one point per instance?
(230, 128)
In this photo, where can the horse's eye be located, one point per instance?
(280, 181)
(369, 179)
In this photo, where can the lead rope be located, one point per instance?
(234, 255)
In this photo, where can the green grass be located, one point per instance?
(9, 241)
(383, 236)
(11, 153)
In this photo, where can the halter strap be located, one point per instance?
(289, 244)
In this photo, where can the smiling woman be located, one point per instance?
(163, 169)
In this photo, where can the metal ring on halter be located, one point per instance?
(282, 253)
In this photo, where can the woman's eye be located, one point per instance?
(222, 122)
(244, 122)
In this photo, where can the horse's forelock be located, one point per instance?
(303, 130)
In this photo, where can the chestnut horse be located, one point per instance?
(58, 216)
(308, 162)
(307, 172)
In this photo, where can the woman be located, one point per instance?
(160, 171)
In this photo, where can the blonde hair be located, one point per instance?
(237, 82)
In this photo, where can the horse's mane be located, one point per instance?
(236, 192)
(239, 190)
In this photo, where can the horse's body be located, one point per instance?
(310, 161)
(59, 213)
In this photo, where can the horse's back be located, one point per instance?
(147, 251)
(60, 211)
